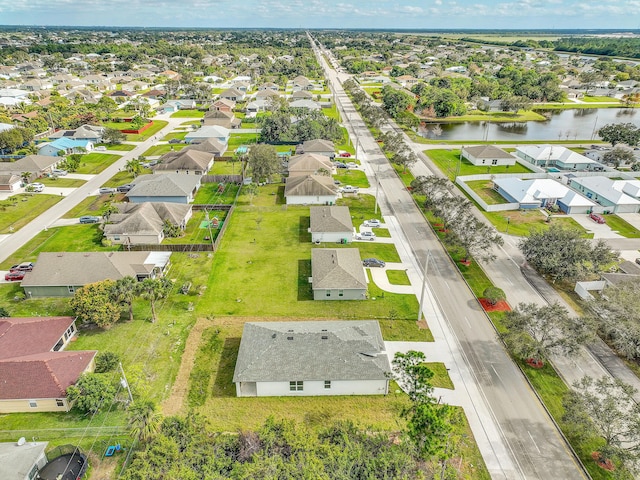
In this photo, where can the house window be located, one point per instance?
(71, 289)
(327, 384)
(116, 238)
(328, 293)
(494, 162)
(341, 293)
(296, 386)
(59, 402)
(33, 404)
(483, 160)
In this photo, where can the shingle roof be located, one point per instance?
(310, 185)
(331, 219)
(145, 218)
(487, 151)
(318, 145)
(310, 162)
(337, 268)
(30, 163)
(29, 335)
(189, 159)
(288, 351)
(165, 185)
(210, 145)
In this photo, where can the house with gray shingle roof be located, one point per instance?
(331, 224)
(319, 146)
(168, 187)
(337, 274)
(310, 164)
(312, 358)
(487, 156)
(310, 190)
(192, 162)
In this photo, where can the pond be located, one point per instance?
(573, 124)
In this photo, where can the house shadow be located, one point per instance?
(280, 200)
(304, 287)
(223, 385)
(303, 229)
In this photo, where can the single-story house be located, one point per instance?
(171, 106)
(168, 187)
(9, 182)
(223, 104)
(312, 358)
(60, 274)
(258, 105)
(301, 95)
(542, 193)
(306, 104)
(221, 134)
(310, 190)
(266, 94)
(488, 105)
(65, 145)
(233, 94)
(302, 83)
(310, 164)
(331, 224)
(22, 461)
(555, 156)
(269, 86)
(93, 133)
(210, 145)
(487, 155)
(222, 118)
(337, 274)
(185, 161)
(319, 146)
(144, 223)
(34, 370)
(616, 196)
(36, 165)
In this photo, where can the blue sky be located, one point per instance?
(487, 14)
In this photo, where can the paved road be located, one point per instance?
(514, 433)
(16, 240)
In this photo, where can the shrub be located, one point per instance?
(106, 362)
(494, 295)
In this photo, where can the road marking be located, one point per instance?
(533, 441)
(495, 371)
(467, 320)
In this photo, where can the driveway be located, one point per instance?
(379, 276)
(599, 230)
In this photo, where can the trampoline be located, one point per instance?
(70, 466)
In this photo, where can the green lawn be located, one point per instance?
(346, 145)
(120, 147)
(238, 139)
(448, 161)
(20, 209)
(441, 377)
(94, 163)
(188, 114)
(62, 182)
(163, 148)
(213, 193)
(347, 176)
(591, 99)
(93, 205)
(151, 131)
(195, 234)
(123, 177)
(623, 227)
(175, 134)
(221, 167)
(478, 116)
(332, 112)
(485, 190)
(398, 277)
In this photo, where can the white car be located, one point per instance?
(59, 172)
(349, 189)
(35, 187)
(374, 222)
(366, 236)
(352, 165)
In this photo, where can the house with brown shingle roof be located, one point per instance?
(35, 372)
(310, 164)
(222, 118)
(189, 161)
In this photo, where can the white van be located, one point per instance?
(100, 148)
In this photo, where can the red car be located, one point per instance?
(14, 276)
(345, 154)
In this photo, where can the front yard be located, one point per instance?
(449, 162)
(20, 209)
(94, 163)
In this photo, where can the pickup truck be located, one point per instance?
(349, 189)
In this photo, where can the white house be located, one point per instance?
(312, 358)
(310, 190)
(487, 155)
(331, 224)
(615, 196)
(555, 156)
(221, 134)
(541, 193)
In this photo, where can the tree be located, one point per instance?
(106, 362)
(476, 238)
(134, 167)
(113, 136)
(405, 159)
(432, 187)
(91, 392)
(493, 295)
(108, 210)
(452, 209)
(606, 407)
(263, 161)
(4, 312)
(144, 420)
(94, 303)
(620, 133)
(154, 289)
(124, 291)
(536, 333)
(275, 127)
(618, 155)
(563, 254)
(514, 103)
(170, 229)
(395, 101)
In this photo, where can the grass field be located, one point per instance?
(495, 117)
(213, 193)
(398, 277)
(441, 377)
(347, 176)
(123, 177)
(449, 162)
(521, 222)
(590, 99)
(174, 134)
(94, 163)
(118, 147)
(150, 132)
(93, 205)
(20, 209)
(623, 227)
(237, 139)
(332, 112)
(194, 234)
(226, 168)
(484, 189)
(188, 114)
(62, 182)
(163, 148)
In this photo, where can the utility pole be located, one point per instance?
(124, 383)
(377, 188)
(424, 284)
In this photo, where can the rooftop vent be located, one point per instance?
(325, 337)
(289, 338)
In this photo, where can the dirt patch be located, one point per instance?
(500, 306)
(603, 463)
(103, 469)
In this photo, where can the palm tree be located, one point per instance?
(133, 166)
(154, 289)
(124, 292)
(144, 420)
(26, 176)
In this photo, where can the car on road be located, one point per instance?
(59, 172)
(22, 267)
(124, 188)
(89, 219)
(348, 189)
(366, 236)
(35, 187)
(345, 154)
(373, 262)
(374, 222)
(106, 190)
(14, 276)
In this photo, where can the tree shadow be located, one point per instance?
(280, 200)
(303, 229)
(223, 383)
(304, 287)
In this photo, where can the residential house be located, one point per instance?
(542, 193)
(302, 83)
(310, 164)
(233, 94)
(168, 187)
(615, 196)
(223, 104)
(35, 165)
(211, 145)
(10, 97)
(331, 224)
(188, 161)
(155, 94)
(487, 156)
(222, 119)
(83, 95)
(144, 223)
(598, 156)
(488, 105)
(305, 104)
(555, 156)
(60, 274)
(92, 133)
(258, 105)
(319, 146)
(171, 106)
(37, 85)
(311, 359)
(10, 182)
(65, 145)
(301, 95)
(35, 371)
(268, 86)
(135, 85)
(310, 190)
(337, 274)
(407, 81)
(22, 460)
(221, 134)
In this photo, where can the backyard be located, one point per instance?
(450, 163)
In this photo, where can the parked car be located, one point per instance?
(349, 189)
(597, 218)
(35, 187)
(22, 267)
(89, 219)
(175, 140)
(59, 172)
(345, 154)
(352, 165)
(374, 222)
(100, 148)
(14, 276)
(373, 262)
(124, 188)
(106, 190)
(341, 165)
(366, 236)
